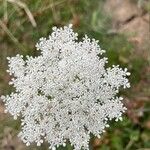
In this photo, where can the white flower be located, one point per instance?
(66, 93)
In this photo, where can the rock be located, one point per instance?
(121, 10)
(129, 19)
(138, 31)
(146, 17)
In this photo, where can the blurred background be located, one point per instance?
(123, 29)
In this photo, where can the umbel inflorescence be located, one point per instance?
(66, 93)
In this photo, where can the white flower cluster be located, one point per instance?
(66, 93)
